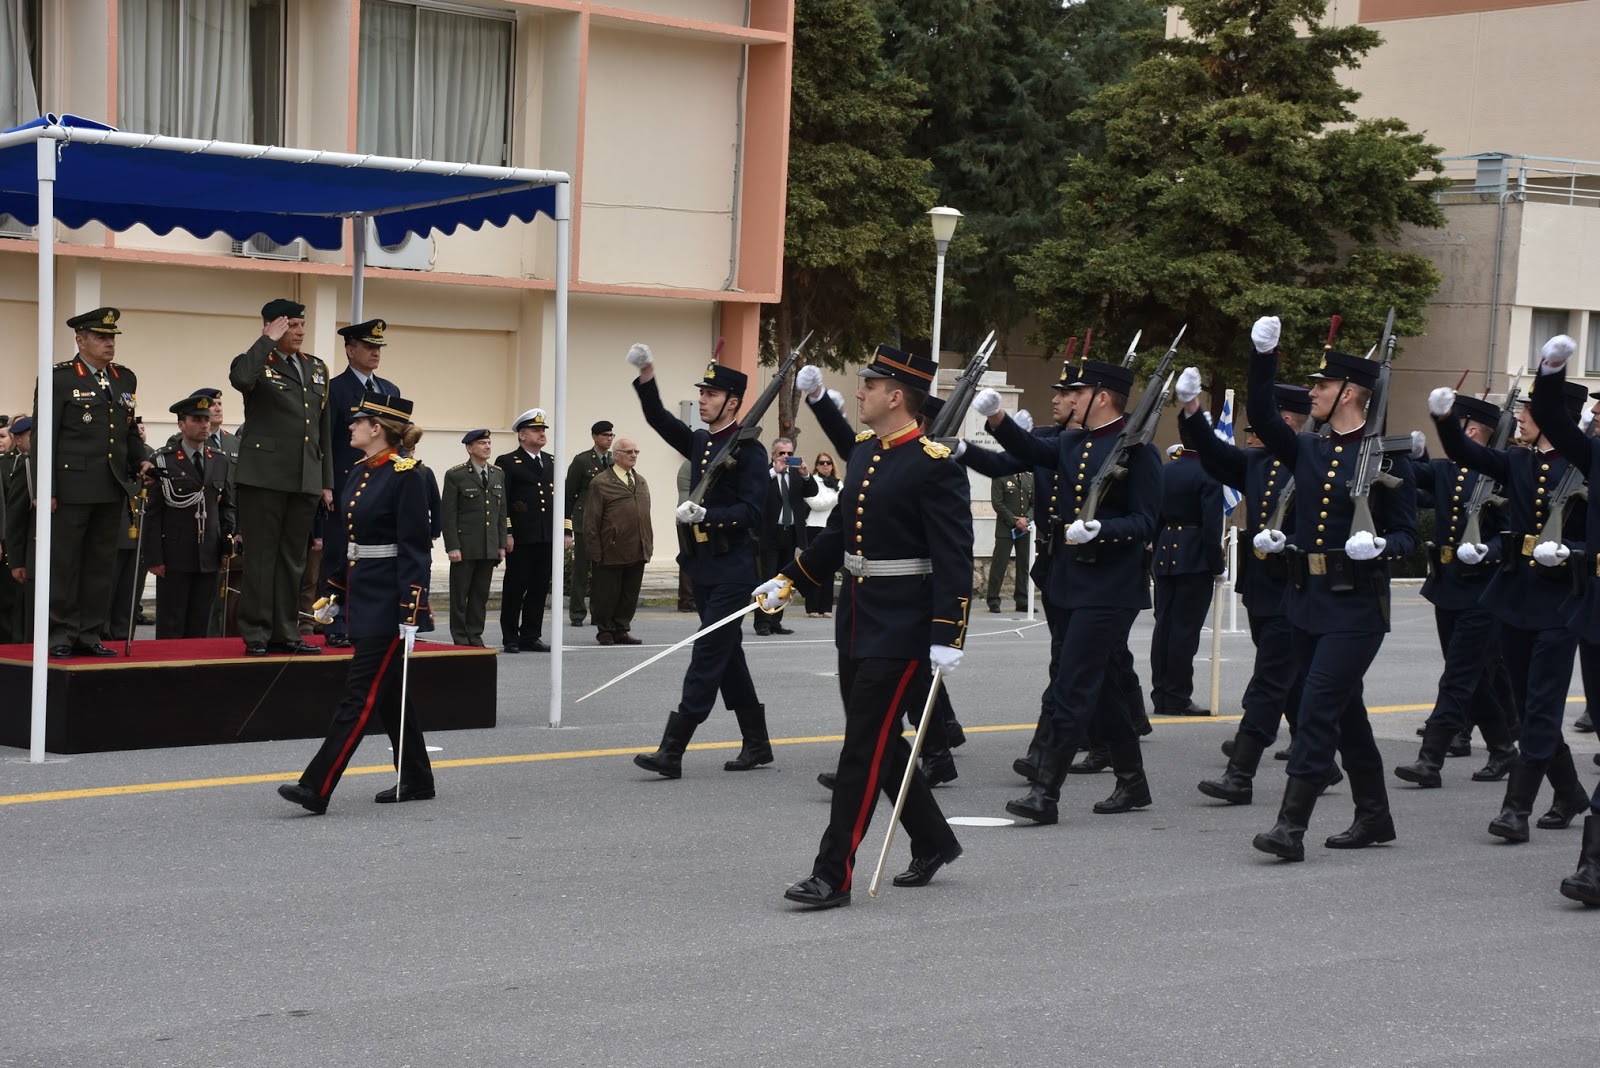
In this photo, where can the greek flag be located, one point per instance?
(1224, 430)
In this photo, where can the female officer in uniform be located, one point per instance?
(383, 589)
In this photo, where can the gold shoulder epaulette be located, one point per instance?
(404, 463)
(63, 365)
(934, 449)
(459, 466)
(864, 435)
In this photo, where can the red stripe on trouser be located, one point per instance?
(869, 797)
(361, 723)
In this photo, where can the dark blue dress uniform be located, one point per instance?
(1100, 589)
(189, 526)
(1339, 607)
(1188, 557)
(905, 507)
(530, 504)
(718, 554)
(388, 551)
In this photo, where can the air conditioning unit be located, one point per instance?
(262, 247)
(415, 253)
(11, 227)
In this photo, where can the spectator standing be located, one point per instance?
(476, 532)
(617, 528)
(783, 517)
(530, 496)
(1012, 497)
(822, 494)
(584, 467)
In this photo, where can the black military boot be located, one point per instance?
(1286, 840)
(1584, 724)
(1373, 825)
(1430, 758)
(953, 732)
(1040, 803)
(668, 759)
(938, 766)
(1096, 760)
(1460, 745)
(1133, 789)
(1584, 884)
(1522, 787)
(1028, 766)
(1235, 785)
(755, 748)
(1571, 799)
(1502, 751)
(1227, 747)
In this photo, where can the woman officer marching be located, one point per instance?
(384, 590)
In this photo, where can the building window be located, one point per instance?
(19, 62)
(1591, 361)
(1547, 323)
(202, 68)
(434, 83)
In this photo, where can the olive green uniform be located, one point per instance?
(473, 508)
(580, 473)
(1012, 497)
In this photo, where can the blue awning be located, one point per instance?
(206, 187)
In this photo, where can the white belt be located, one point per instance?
(864, 568)
(354, 551)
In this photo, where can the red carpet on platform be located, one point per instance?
(206, 650)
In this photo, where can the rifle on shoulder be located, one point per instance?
(1376, 446)
(948, 422)
(1487, 489)
(1138, 430)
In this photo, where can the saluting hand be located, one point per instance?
(276, 328)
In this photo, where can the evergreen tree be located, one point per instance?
(1237, 182)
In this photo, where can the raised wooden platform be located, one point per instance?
(205, 691)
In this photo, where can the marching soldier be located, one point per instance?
(189, 523)
(1339, 589)
(1012, 498)
(1188, 558)
(718, 551)
(530, 481)
(587, 464)
(476, 532)
(97, 461)
(906, 543)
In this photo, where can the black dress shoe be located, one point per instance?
(922, 868)
(779, 628)
(93, 650)
(628, 639)
(815, 893)
(255, 648)
(338, 641)
(61, 652)
(1193, 710)
(512, 647)
(763, 632)
(407, 793)
(298, 647)
(536, 646)
(305, 798)
(827, 779)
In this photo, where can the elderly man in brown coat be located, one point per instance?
(616, 529)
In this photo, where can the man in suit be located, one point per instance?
(189, 523)
(530, 498)
(621, 540)
(476, 532)
(584, 467)
(98, 460)
(1012, 497)
(285, 470)
(782, 517)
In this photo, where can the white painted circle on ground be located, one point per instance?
(429, 748)
(979, 821)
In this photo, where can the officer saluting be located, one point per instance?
(190, 521)
(476, 531)
(906, 544)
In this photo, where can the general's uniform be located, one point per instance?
(285, 462)
(189, 523)
(530, 500)
(1012, 498)
(475, 525)
(584, 467)
(1188, 558)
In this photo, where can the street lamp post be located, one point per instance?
(944, 222)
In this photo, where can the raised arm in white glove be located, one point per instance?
(1188, 387)
(1551, 553)
(809, 381)
(1081, 533)
(1265, 333)
(1419, 445)
(1024, 419)
(1270, 541)
(945, 657)
(639, 356)
(774, 593)
(1440, 401)
(986, 403)
(837, 398)
(1469, 553)
(688, 513)
(1364, 546)
(1555, 354)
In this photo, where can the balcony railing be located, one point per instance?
(1488, 176)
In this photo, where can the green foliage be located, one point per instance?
(1237, 182)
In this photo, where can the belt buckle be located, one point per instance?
(1317, 563)
(1447, 554)
(1528, 542)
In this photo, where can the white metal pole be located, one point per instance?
(938, 311)
(1216, 649)
(358, 268)
(1233, 580)
(44, 430)
(1033, 555)
(557, 578)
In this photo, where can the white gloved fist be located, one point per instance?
(957, 449)
(986, 403)
(809, 382)
(1551, 553)
(1468, 553)
(689, 513)
(1364, 546)
(1265, 333)
(408, 634)
(945, 657)
(639, 356)
(1270, 541)
(1188, 387)
(1419, 445)
(1081, 533)
(1586, 420)
(1440, 401)
(1555, 354)
(1024, 419)
(837, 398)
(774, 593)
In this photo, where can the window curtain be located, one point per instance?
(387, 81)
(184, 68)
(19, 97)
(147, 66)
(463, 83)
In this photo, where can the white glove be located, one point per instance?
(1555, 354)
(1265, 333)
(1586, 420)
(1440, 401)
(1188, 387)
(689, 513)
(1364, 546)
(809, 382)
(1468, 553)
(639, 356)
(986, 403)
(1024, 419)
(1081, 533)
(1551, 553)
(1226, 574)
(956, 451)
(944, 657)
(837, 398)
(408, 633)
(1419, 445)
(325, 611)
(1270, 541)
(774, 593)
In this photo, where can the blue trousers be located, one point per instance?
(717, 662)
(1273, 692)
(1540, 662)
(1091, 677)
(1332, 714)
(1468, 641)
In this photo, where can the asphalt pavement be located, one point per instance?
(555, 905)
